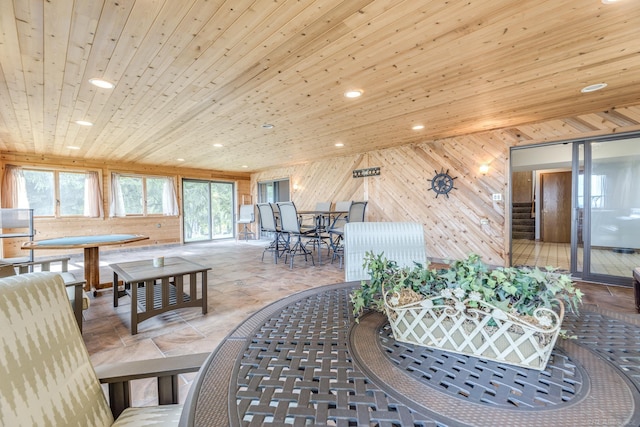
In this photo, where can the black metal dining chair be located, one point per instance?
(336, 231)
(290, 226)
(269, 224)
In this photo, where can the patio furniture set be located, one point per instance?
(293, 236)
(227, 391)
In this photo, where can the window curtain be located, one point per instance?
(92, 196)
(169, 199)
(14, 188)
(116, 207)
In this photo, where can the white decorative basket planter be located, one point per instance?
(486, 332)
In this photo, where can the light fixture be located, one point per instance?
(217, 145)
(102, 83)
(83, 123)
(353, 93)
(339, 144)
(609, 1)
(267, 126)
(245, 166)
(417, 127)
(72, 147)
(484, 169)
(593, 87)
(180, 160)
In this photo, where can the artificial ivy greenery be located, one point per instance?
(518, 290)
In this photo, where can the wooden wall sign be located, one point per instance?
(363, 173)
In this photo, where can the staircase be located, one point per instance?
(523, 226)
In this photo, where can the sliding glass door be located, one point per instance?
(541, 209)
(576, 206)
(612, 207)
(208, 210)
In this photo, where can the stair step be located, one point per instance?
(521, 215)
(523, 236)
(523, 226)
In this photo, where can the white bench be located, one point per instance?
(402, 242)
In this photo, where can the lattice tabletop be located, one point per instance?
(304, 361)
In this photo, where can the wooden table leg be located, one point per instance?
(92, 268)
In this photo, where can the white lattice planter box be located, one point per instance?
(486, 332)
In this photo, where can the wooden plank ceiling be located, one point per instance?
(193, 73)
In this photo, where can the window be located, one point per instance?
(141, 195)
(274, 191)
(56, 193)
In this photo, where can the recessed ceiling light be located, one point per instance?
(102, 83)
(180, 160)
(84, 123)
(245, 166)
(339, 144)
(267, 126)
(217, 145)
(593, 88)
(417, 127)
(72, 147)
(609, 1)
(353, 93)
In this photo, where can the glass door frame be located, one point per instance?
(578, 223)
(586, 273)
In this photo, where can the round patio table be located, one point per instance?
(303, 360)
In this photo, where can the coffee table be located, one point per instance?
(156, 290)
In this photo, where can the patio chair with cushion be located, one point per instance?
(47, 376)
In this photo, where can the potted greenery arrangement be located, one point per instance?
(508, 314)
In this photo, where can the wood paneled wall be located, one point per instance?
(469, 220)
(160, 229)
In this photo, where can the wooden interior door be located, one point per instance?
(522, 190)
(556, 207)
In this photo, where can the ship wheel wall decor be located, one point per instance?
(442, 183)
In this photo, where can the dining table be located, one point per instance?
(91, 245)
(322, 221)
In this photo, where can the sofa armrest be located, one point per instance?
(166, 370)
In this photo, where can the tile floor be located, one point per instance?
(238, 285)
